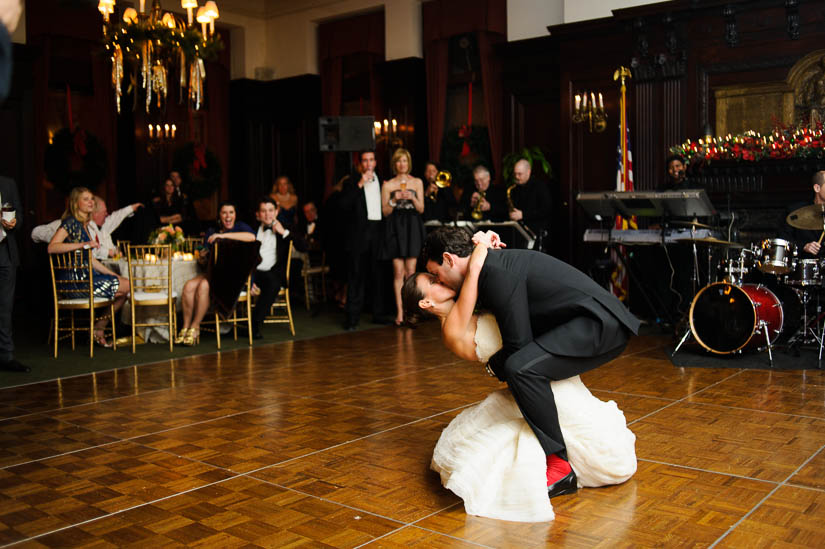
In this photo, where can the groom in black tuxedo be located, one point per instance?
(555, 323)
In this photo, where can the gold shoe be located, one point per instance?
(192, 337)
(180, 337)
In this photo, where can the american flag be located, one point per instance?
(619, 283)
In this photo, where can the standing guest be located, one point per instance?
(531, 201)
(100, 228)
(440, 203)
(283, 193)
(492, 206)
(676, 175)
(9, 261)
(402, 203)
(190, 223)
(360, 203)
(74, 234)
(169, 204)
(196, 291)
(271, 271)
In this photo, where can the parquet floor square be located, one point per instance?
(40, 496)
(292, 428)
(241, 512)
(791, 517)
(387, 474)
(327, 443)
(761, 445)
(36, 436)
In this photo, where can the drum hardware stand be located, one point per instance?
(681, 341)
(764, 326)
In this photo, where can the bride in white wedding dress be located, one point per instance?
(488, 455)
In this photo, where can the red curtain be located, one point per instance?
(493, 94)
(435, 63)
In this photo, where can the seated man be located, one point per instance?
(270, 274)
(100, 228)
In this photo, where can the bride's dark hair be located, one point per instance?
(453, 240)
(410, 296)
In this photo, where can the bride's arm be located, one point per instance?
(460, 316)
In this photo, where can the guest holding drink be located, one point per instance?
(402, 203)
(196, 291)
(74, 234)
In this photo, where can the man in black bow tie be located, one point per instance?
(271, 271)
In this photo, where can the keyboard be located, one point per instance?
(644, 236)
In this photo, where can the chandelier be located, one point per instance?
(154, 47)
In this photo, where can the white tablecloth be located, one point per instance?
(182, 272)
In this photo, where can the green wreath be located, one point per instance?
(75, 159)
(461, 167)
(199, 168)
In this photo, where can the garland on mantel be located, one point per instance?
(782, 144)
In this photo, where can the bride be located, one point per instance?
(488, 455)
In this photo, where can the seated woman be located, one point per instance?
(169, 205)
(196, 291)
(488, 455)
(73, 235)
(283, 193)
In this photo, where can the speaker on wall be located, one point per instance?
(346, 133)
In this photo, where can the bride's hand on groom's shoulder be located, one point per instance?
(488, 239)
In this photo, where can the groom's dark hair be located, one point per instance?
(453, 240)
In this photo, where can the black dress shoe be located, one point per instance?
(563, 486)
(14, 366)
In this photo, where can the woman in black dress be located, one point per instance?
(402, 203)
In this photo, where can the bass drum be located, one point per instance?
(725, 318)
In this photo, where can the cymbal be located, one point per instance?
(690, 224)
(710, 241)
(806, 217)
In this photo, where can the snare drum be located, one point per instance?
(806, 272)
(725, 318)
(775, 256)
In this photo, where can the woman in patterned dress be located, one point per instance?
(73, 234)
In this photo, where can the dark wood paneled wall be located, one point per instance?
(679, 53)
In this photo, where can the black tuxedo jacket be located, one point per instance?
(8, 193)
(353, 204)
(495, 196)
(536, 297)
(533, 199)
(281, 252)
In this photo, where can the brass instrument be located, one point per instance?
(443, 180)
(477, 214)
(510, 205)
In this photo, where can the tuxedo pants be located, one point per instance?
(8, 274)
(530, 370)
(269, 283)
(364, 276)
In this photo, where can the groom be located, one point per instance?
(555, 323)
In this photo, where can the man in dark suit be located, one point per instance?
(531, 200)
(493, 207)
(270, 274)
(9, 261)
(360, 203)
(440, 203)
(555, 323)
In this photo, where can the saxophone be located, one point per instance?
(510, 205)
(477, 214)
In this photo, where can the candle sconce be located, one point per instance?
(160, 135)
(587, 110)
(391, 133)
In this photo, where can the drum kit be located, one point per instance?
(732, 315)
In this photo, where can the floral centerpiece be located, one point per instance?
(168, 235)
(781, 144)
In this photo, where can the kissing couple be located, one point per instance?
(547, 323)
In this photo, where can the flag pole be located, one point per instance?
(623, 73)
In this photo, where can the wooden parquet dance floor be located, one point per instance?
(327, 443)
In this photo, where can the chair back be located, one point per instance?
(72, 276)
(289, 262)
(192, 243)
(123, 248)
(150, 270)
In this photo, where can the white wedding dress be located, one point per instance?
(489, 456)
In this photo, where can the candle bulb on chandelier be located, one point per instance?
(394, 125)
(142, 6)
(150, 131)
(601, 101)
(174, 129)
(584, 101)
(592, 101)
(166, 130)
(578, 101)
(386, 123)
(377, 127)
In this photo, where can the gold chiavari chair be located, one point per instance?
(310, 271)
(192, 243)
(73, 290)
(150, 273)
(282, 300)
(123, 248)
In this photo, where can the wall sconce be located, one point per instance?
(160, 135)
(391, 133)
(590, 111)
